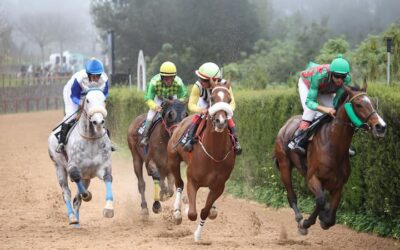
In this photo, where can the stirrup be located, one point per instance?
(60, 148)
(188, 147)
(299, 150)
(237, 148)
(144, 142)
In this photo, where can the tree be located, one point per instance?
(213, 30)
(37, 28)
(6, 42)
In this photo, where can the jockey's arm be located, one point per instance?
(76, 91)
(150, 95)
(193, 100)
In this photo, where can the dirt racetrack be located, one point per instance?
(32, 212)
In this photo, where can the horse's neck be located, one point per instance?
(85, 128)
(341, 130)
(215, 140)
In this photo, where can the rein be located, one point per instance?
(209, 155)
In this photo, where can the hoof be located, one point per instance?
(299, 218)
(72, 219)
(301, 229)
(157, 207)
(144, 211)
(177, 217)
(108, 213)
(323, 225)
(86, 196)
(213, 213)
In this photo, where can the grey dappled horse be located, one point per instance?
(87, 155)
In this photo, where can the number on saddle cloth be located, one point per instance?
(141, 128)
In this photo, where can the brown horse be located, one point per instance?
(155, 154)
(211, 161)
(327, 164)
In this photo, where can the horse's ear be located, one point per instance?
(365, 85)
(347, 89)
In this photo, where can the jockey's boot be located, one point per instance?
(352, 151)
(188, 147)
(63, 137)
(145, 140)
(236, 147)
(113, 147)
(299, 143)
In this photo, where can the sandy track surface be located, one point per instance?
(32, 212)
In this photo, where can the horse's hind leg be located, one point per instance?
(286, 177)
(108, 211)
(63, 181)
(211, 198)
(138, 167)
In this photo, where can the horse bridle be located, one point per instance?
(364, 123)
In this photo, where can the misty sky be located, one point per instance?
(14, 10)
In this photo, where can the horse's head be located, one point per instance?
(220, 110)
(95, 107)
(362, 113)
(173, 111)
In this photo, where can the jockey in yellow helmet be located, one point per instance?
(166, 84)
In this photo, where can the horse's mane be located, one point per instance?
(355, 87)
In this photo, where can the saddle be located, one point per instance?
(313, 128)
(141, 128)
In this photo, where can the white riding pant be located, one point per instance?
(152, 113)
(323, 99)
(69, 106)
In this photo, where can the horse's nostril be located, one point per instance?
(94, 123)
(102, 122)
(379, 128)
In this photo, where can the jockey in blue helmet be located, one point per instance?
(92, 76)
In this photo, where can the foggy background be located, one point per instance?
(188, 32)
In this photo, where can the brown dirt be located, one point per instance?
(32, 212)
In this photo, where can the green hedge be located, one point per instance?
(370, 201)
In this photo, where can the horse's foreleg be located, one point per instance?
(156, 179)
(315, 186)
(77, 199)
(328, 218)
(108, 211)
(63, 181)
(75, 175)
(164, 190)
(286, 177)
(211, 198)
(138, 168)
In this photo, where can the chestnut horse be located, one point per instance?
(155, 154)
(327, 164)
(211, 161)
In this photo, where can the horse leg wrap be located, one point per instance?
(75, 174)
(108, 177)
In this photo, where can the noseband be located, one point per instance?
(355, 120)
